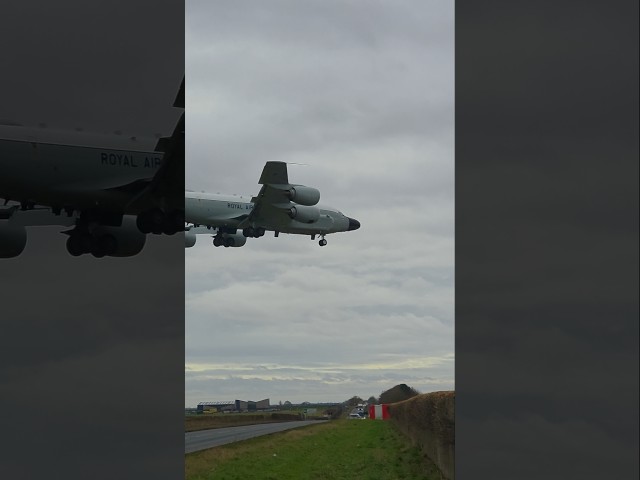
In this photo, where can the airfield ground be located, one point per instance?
(204, 422)
(336, 450)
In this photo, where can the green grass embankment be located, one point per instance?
(337, 450)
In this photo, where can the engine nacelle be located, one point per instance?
(129, 240)
(303, 214)
(304, 195)
(189, 239)
(13, 239)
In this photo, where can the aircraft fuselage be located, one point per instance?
(61, 175)
(229, 211)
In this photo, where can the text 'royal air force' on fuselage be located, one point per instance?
(107, 190)
(279, 207)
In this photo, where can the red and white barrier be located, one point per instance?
(379, 412)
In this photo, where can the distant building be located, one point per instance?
(237, 406)
(213, 407)
(250, 406)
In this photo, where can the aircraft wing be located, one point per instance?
(168, 182)
(170, 178)
(272, 202)
(201, 230)
(39, 216)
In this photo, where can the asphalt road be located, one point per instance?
(203, 439)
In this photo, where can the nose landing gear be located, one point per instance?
(322, 241)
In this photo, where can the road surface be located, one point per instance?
(203, 439)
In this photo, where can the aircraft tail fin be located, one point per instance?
(274, 173)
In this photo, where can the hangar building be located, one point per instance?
(237, 406)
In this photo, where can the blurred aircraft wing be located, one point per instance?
(167, 185)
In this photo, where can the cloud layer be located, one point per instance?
(362, 94)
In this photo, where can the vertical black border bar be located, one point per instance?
(546, 239)
(92, 350)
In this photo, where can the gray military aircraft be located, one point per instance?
(106, 189)
(278, 207)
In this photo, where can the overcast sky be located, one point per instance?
(363, 93)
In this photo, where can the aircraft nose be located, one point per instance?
(353, 224)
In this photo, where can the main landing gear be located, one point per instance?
(253, 232)
(81, 241)
(220, 241)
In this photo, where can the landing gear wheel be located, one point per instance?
(229, 242)
(173, 222)
(158, 223)
(151, 221)
(74, 245)
(217, 241)
(85, 241)
(144, 223)
(168, 227)
(107, 244)
(81, 242)
(97, 250)
(322, 242)
(251, 232)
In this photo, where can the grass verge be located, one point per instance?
(341, 449)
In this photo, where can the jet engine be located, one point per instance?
(303, 195)
(129, 241)
(13, 239)
(189, 239)
(123, 241)
(304, 214)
